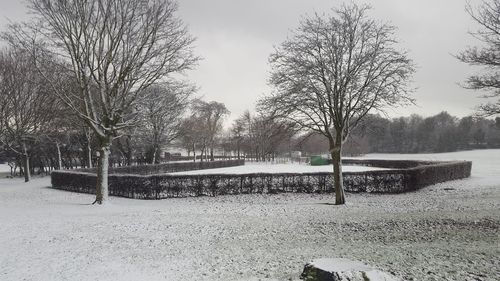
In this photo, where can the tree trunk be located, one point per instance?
(59, 158)
(128, 152)
(212, 154)
(102, 171)
(89, 157)
(153, 158)
(336, 153)
(194, 153)
(26, 159)
(89, 148)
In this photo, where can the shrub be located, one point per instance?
(171, 167)
(413, 176)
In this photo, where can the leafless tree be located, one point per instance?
(162, 113)
(26, 104)
(128, 145)
(190, 135)
(261, 136)
(237, 135)
(114, 49)
(210, 116)
(487, 15)
(270, 134)
(332, 71)
(241, 132)
(59, 128)
(4, 101)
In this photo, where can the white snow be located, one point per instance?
(334, 265)
(4, 168)
(250, 168)
(447, 231)
(484, 162)
(350, 269)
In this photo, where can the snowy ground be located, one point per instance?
(276, 168)
(4, 168)
(448, 231)
(485, 163)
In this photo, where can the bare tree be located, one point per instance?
(26, 104)
(162, 114)
(4, 102)
(190, 135)
(114, 49)
(59, 129)
(128, 145)
(261, 136)
(241, 131)
(237, 135)
(332, 72)
(210, 115)
(486, 56)
(269, 134)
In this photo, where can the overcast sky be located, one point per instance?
(235, 38)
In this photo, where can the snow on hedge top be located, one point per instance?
(276, 169)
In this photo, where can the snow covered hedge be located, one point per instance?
(414, 176)
(170, 167)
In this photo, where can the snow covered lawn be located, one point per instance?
(485, 163)
(250, 168)
(448, 231)
(4, 168)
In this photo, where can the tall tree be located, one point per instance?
(210, 115)
(237, 135)
(264, 135)
(161, 115)
(332, 71)
(26, 104)
(191, 135)
(114, 49)
(487, 15)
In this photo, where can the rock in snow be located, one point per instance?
(343, 270)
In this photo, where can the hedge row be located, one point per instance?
(392, 164)
(170, 167)
(168, 186)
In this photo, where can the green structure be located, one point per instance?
(318, 160)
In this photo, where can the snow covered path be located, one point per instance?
(448, 231)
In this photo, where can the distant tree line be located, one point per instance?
(414, 134)
(438, 133)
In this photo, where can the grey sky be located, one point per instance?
(235, 38)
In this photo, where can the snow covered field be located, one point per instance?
(484, 162)
(448, 231)
(4, 168)
(276, 168)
